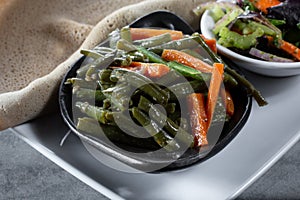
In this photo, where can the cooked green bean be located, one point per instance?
(104, 50)
(124, 60)
(106, 104)
(104, 76)
(119, 103)
(185, 43)
(119, 96)
(113, 133)
(189, 72)
(80, 83)
(145, 104)
(125, 34)
(143, 83)
(152, 57)
(170, 108)
(125, 123)
(154, 41)
(113, 38)
(163, 120)
(158, 134)
(119, 90)
(125, 46)
(101, 62)
(171, 127)
(250, 87)
(137, 56)
(97, 113)
(91, 53)
(180, 90)
(106, 86)
(90, 94)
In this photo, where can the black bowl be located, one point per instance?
(147, 162)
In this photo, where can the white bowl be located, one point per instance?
(276, 69)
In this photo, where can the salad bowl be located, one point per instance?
(267, 68)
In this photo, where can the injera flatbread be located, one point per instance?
(40, 40)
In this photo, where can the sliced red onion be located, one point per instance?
(267, 56)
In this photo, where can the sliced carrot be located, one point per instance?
(152, 70)
(264, 4)
(198, 118)
(290, 49)
(214, 90)
(287, 47)
(211, 43)
(142, 33)
(186, 59)
(228, 101)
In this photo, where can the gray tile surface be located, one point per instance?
(26, 174)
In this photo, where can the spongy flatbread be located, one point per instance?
(41, 40)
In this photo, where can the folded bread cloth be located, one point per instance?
(40, 40)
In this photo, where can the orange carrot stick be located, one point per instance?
(214, 90)
(152, 70)
(211, 43)
(186, 59)
(290, 49)
(287, 47)
(198, 118)
(264, 4)
(228, 101)
(142, 33)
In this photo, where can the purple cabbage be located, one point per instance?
(288, 10)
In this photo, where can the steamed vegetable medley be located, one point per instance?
(147, 86)
(265, 29)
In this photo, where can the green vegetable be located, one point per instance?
(154, 41)
(104, 76)
(217, 12)
(125, 46)
(126, 124)
(113, 133)
(95, 112)
(185, 43)
(181, 90)
(119, 95)
(91, 53)
(159, 135)
(113, 38)
(171, 127)
(125, 34)
(232, 39)
(143, 83)
(81, 83)
(101, 62)
(90, 94)
(188, 71)
(226, 19)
